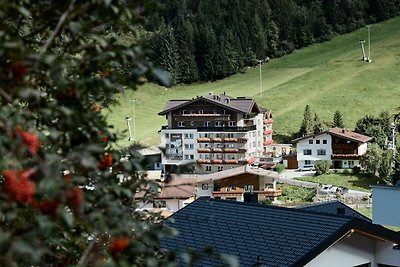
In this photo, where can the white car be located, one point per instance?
(328, 189)
(306, 168)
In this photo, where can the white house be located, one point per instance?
(341, 146)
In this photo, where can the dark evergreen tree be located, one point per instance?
(307, 125)
(337, 119)
(317, 124)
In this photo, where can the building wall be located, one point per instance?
(304, 144)
(348, 252)
(357, 250)
(385, 205)
(171, 204)
(362, 149)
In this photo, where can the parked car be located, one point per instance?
(328, 189)
(306, 168)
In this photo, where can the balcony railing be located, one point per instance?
(227, 129)
(204, 150)
(268, 142)
(216, 150)
(203, 140)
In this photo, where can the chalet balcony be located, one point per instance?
(268, 142)
(216, 150)
(344, 149)
(231, 161)
(267, 132)
(204, 150)
(239, 191)
(217, 161)
(268, 121)
(234, 150)
(345, 156)
(216, 140)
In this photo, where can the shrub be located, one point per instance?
(356, 169)
(322, 167)
(279, 168)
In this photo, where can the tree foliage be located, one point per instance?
(244, 31)
(307, 125)
(61, 203)
(322, 167)
(378, 128)
(337, 119)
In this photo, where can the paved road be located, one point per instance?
(290, 174)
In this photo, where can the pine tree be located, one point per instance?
(396, 169)
(307, 126)
(317, 124)
(337, 120)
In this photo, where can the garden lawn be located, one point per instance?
(359, 182)
(368, 213)
(295, 195)
(329, 76)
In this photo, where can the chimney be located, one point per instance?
(224, 92)
(343, 130)
(340, 211)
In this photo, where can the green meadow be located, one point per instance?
(329, 76)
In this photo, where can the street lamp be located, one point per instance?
(369, 44)
(128, 119)
(362, 42)
(134, 119)
(260, 61)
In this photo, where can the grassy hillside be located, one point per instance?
(326, 76)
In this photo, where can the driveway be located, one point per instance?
(291, 174)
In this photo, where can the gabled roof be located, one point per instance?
(240, 104)
(234, 172)
(181, 188)
(349, 135)
(278, 236)
(339, 132)
(331, 207)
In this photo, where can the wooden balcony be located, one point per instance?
(217, 161)
(230, 140)
(345, 156)
(216, 140)
(202, 117)
(203, 161)
(216, 150)
(239, 192)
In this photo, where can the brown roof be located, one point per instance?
(342, 133)
(181, 188)
(346, 134)
(240, 104)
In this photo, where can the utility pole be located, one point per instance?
(369, 44)
(260, 61)
(134, 119)
(128, 119)
(362, 42)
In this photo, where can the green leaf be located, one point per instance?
(67, 218)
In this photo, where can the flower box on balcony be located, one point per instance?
(268, 142)
(217, 150)
(217, 161)
(203, 161)
(268, 132)
(203, 140)
(230, 140)
(268, 121)
(203, 150)
(231, 150)
(216, 140)
(230, 161)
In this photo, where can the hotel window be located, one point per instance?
(159, 204)
(200, 111)
(218, 135)
(206, 135)
(230, 135)
(307, 152)
(307, 162)
(231, 187)
(181, 124)
(183, 112)
(207, 123)
(189, 157)
(317, 142)
(189, 136)
(208, 168)
(220, 168)
(324, 141)
(231, 123)
(189, 146)
(310, 141)
(166, 135)
(218, 124)
(321, 152)
(204, 186)
(248, 188)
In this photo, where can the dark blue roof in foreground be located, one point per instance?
(278, 236)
